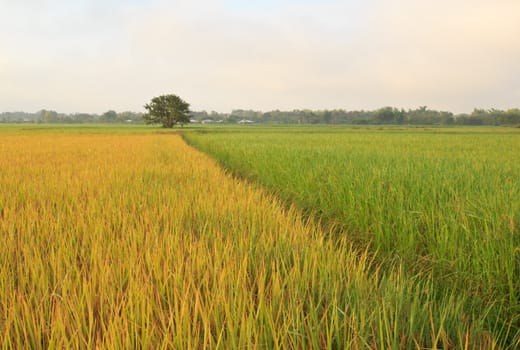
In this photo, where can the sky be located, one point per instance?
(96, 55)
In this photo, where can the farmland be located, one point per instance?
(312, 238)
(443, 205)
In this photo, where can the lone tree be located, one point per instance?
(167, 110)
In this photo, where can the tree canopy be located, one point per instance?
(168, 110)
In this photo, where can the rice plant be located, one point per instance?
(443, 205)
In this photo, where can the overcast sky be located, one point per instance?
(96, 55)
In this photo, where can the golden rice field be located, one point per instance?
(126, 241)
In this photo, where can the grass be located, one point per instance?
(136, 240)
(442, 205)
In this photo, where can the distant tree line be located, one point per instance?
(381, 116)
(53, 117)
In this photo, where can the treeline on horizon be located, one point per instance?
(381, 116)
(52, 117)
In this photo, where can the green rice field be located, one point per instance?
(442, 205)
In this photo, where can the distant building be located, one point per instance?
(245, 121)
(211, 121)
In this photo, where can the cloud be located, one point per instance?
(93, 55)
(449, 55)
(446, 50)
(262, 61)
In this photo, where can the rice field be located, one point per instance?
(133, 239)
(443, 205)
